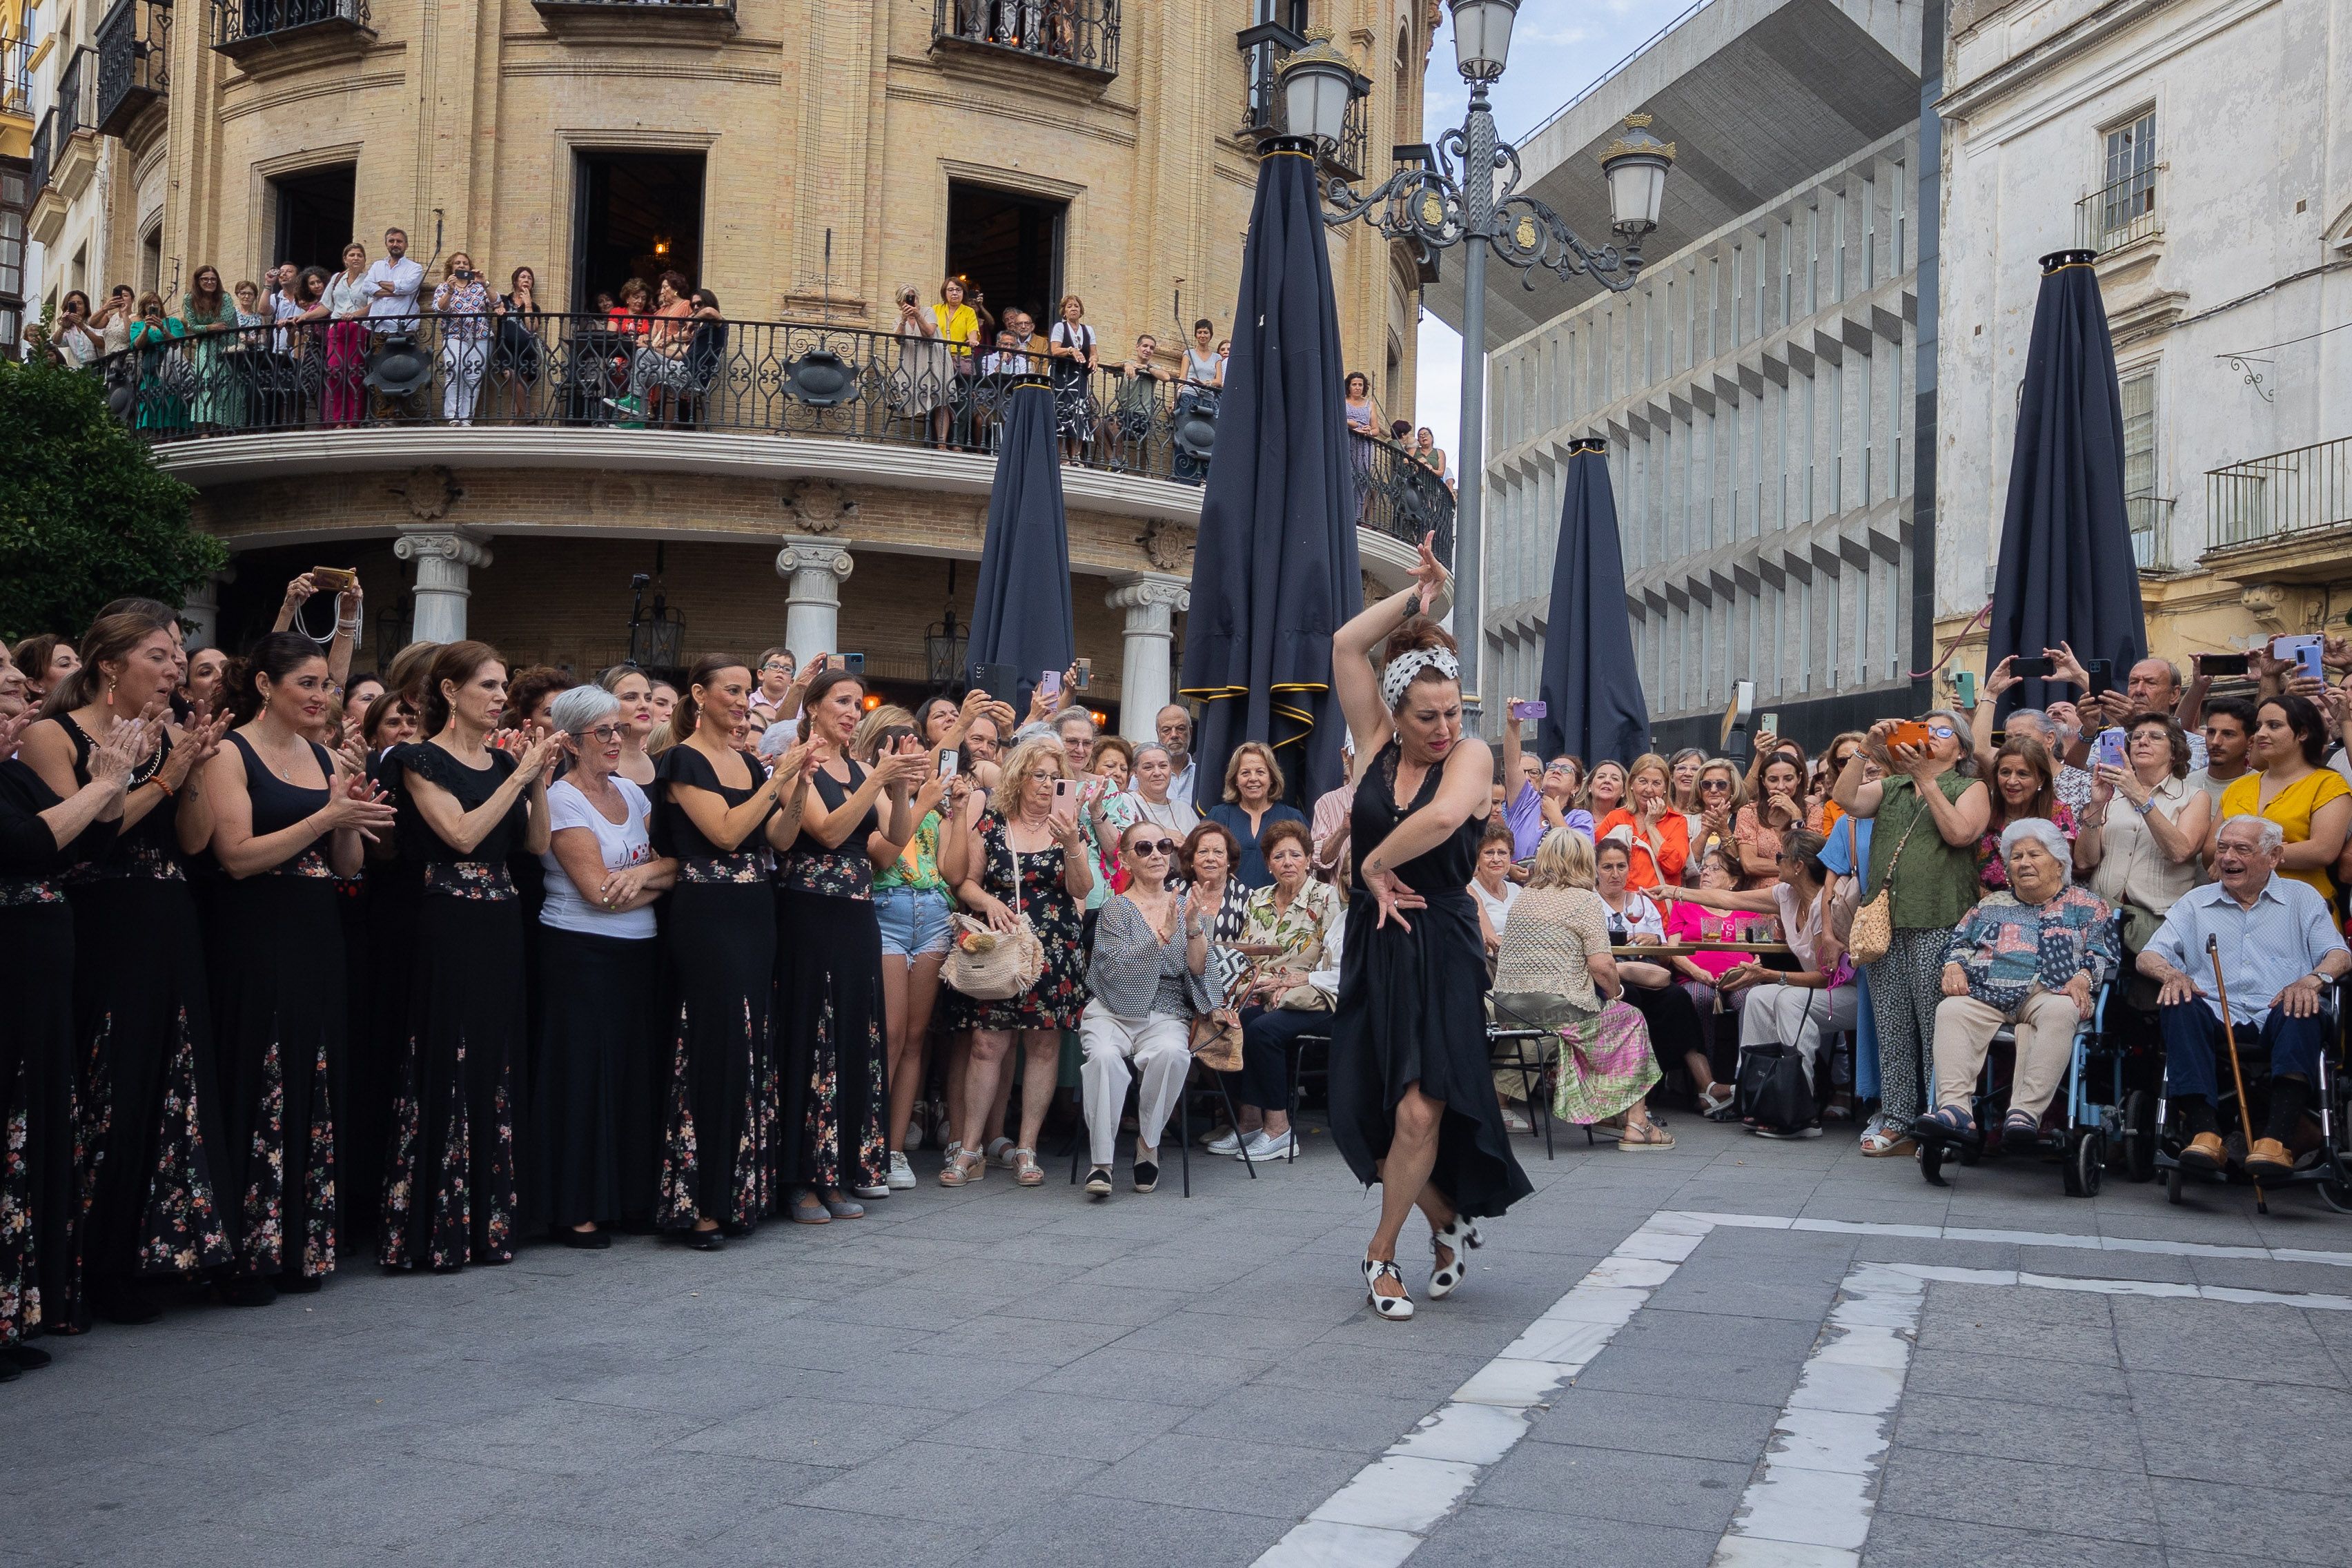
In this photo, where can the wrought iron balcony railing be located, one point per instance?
(245, 27)
(134, 62)
(2119, 214)
(16, 78)
(597, 374)
(598, 20)
(44, 140)
(2299, 492)
(76, 106)
(1082, 35)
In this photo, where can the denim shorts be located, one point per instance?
(914, 921)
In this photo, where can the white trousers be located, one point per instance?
(1796, 1017)
(462, 364)
(1160, 1047)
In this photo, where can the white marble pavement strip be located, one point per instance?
(1811, 1505)
(1380, 1518)
(1814, 1496)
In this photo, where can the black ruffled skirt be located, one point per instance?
(718, 1077)
(831, 1047)
(40, 1274)
(595, 1109)
(1413, 1010)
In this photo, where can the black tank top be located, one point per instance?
(152, 848)
(278, 805)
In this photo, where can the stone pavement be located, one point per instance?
(1017, 1376)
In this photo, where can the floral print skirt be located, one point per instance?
(595, 1099)
(375, 1043)
(449, 1182)
(717, 1075)
(830, 1043)
(151, 1143)
(40, 1276)
(279, 1017)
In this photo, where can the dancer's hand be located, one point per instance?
(1393, 895)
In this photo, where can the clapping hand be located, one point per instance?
(356, 803)
(197, 743)
(12, 729)
(536, 756)
(127, 740)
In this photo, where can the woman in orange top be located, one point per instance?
(1660, 837)
(1821, 813)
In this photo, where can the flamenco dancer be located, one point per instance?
(1413, 1102)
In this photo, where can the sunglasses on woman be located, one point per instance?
(1153, 847)
(1713, 785)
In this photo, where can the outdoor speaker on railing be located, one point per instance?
(1194, 431)
(399, 368)
(822, 379)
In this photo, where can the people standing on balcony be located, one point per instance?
(350, 295)
(957, 324)
(1135, 407)
(286, 824)
(661, 368)
(304, 375)
(245, 358)
(113, 320)
(1070, 348)
(452, 1190)
(717, 817)
(155, 1206)
(282, 300)
(831, 1049)
(463, 301)
(1012, 357)
(393, 284)
(518, 358)
(1363, 420)
(599, 1007)
(163, 386)
(926, 372)
(1204, 370)
(74, 341)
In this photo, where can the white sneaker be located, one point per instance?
(1231, 1143)
(870, 1193)
(1262, 1147)
(902, 1174)
(914, 1133)
(1516, 1120)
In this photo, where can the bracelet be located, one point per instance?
(162, 785)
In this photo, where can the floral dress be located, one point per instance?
(1060, 993)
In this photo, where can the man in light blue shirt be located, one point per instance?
(2278, 947)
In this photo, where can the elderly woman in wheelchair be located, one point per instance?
(2031, 958)
(2277, 949)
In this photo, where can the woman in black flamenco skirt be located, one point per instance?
(1412, 1099)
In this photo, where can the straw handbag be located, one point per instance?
(1872, 931)
(990, 966)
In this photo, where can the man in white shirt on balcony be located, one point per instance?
(395, 279)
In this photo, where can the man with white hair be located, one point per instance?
(2033, 956)
(2279, 948)
(1174, 725)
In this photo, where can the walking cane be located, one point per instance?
(2245, 1110)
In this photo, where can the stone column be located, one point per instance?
(814, 571)
(201, 614)
(442, 558)
(1145, 681)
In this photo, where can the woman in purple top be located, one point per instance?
(1534, 803)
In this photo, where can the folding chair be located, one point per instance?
(1192, 1071)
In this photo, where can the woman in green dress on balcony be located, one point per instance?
(163, 373)
(210, 316)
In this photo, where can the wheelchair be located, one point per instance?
(2325, 1164)
(2088, 1127)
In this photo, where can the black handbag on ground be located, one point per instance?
(1774, 1088)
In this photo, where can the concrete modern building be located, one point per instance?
(2203, 150)
(1758, 387)
(812, 164)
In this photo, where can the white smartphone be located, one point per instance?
(1050, 683)
(948, 764)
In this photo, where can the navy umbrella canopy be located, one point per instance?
(1273, 570)
(1592, 692)
(2066, 572)
(1021, 613)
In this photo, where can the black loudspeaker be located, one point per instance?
(399, 368)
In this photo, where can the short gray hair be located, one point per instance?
(2047, 834)
(2268, 835)
(1062, 720)
(577, 709)
(1152, 746)
(2035, 721)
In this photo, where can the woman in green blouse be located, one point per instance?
(910, 904)
(1929, 811)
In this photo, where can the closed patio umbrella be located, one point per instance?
(2066, 572)
(1020, 612)
(1275, 572)
(1592, 691)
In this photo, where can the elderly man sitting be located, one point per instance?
(2278, 948)
(2033, 956)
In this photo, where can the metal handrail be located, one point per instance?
(1589, 88)
(76, 106)
(235, 21)
(2296, 492)
(1081, 34)
(44, 153)
(612, 373)
(2117, 214)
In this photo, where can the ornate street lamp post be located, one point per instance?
(1438, 208)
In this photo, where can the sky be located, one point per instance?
(1557, 48)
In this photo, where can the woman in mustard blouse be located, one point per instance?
(2313, 803)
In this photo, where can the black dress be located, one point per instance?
(152, 1142)
(718, 1084)
(279, 1015)
(1413, 1010)
(376, 1038)
(449, 1182)
(40, 1274)
(831, 1048)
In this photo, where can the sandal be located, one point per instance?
(1650, 1134)
(1887, 1136)
(1715, 1099)
(1025, 1169)
(1952, 1123)
(964, 1169)
(2019, 1131)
